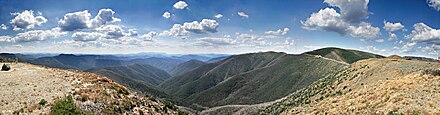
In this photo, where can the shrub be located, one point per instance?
(434, 72)
(151, 97)
(84, 98)
(169, 104)
(181, 113)
(122, 91)
(42, 102)
(65, 106)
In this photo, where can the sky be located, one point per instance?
(387, 27)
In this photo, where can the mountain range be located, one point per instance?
(255, 77)
(265, 82)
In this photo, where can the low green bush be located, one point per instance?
(42, 102)
(66, 106)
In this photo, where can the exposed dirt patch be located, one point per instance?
(22, 89)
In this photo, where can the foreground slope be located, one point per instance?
(25, 86)
(372, 86)
(249, 79)
(344, 55)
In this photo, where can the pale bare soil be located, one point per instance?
(22, 88)
(25, 85)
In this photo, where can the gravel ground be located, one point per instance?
(25, 85)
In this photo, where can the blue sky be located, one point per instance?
(292, 26)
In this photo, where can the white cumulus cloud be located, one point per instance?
(166, 15)
(132, 32)
(392, 37)
(434, 4)
(380, 40)
(391, 27)
(364, 30)
(6, 39)
(351, 10)
(180, 5)
(242, 14)
(86, 36)
(422, 33)
(278, 32)
(206, 26)
(26, 20)
(329, 20)
(112, 31)
(218, 16)
(34, 35)
(74, 21)
(104, 16)
(4, 27)
(82, 20)
(149, 36)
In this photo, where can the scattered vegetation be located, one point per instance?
(395, 113)
(66, 106)
(169, 104)
(182, 113)
(321, 89)
(434, 72)
(42, 102)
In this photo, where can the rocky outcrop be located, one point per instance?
(6, 67)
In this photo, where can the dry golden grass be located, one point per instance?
(380, 86)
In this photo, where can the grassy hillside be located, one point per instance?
(344, 55)
(51, 62)
(373, 86)
(208, 75)
(141, 72)
(249, 78)
(139, 77)
(185, 67)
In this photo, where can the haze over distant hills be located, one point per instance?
(84, 62)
